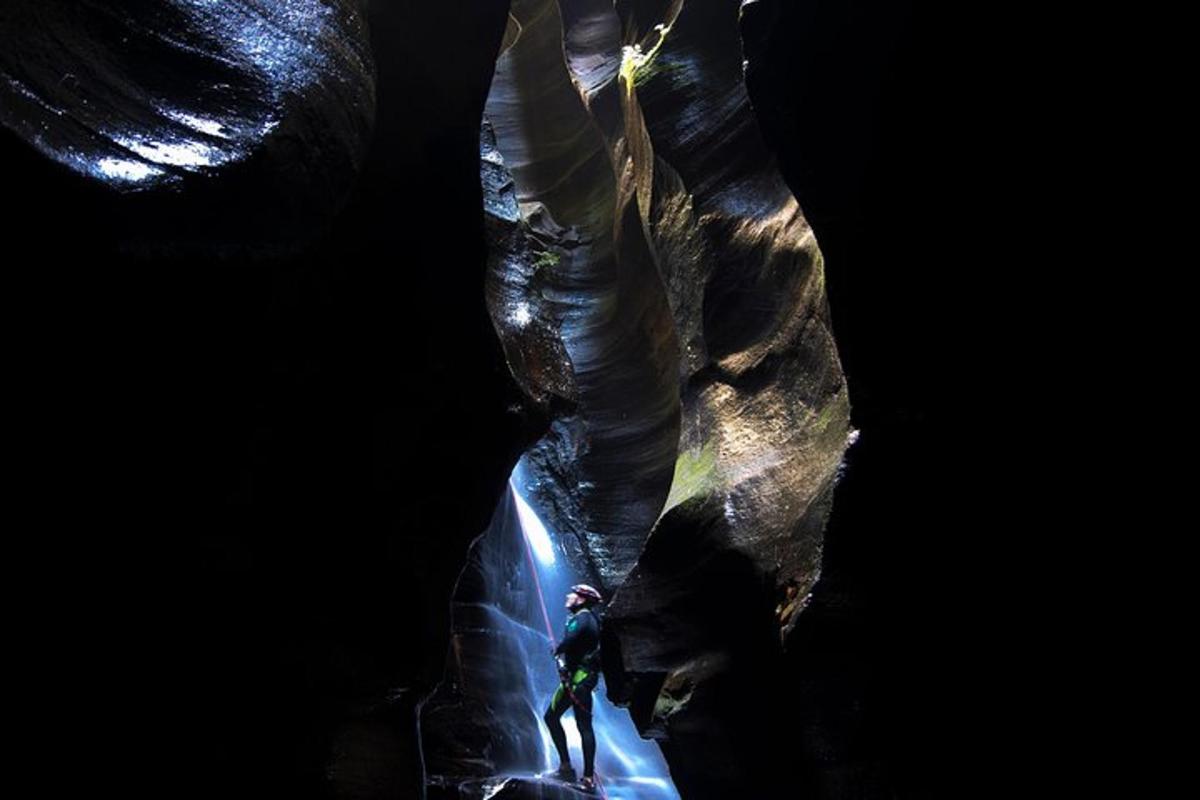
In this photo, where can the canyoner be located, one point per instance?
(577, 657)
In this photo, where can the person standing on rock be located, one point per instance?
(578, 659)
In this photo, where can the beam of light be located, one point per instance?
(534, 530)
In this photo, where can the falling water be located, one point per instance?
(482, 730)
(628, 767)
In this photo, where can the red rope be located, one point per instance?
(538, 584)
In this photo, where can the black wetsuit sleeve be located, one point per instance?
(581, 636)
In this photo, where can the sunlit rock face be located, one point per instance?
(604, 471)
(518, 287)
(248, 118)
(695, 475)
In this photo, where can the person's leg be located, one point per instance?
(583, 719)
(558, 704)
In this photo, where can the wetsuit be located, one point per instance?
(579, 656)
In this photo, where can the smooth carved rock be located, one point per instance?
(257, 112)
(635, 153)
(605, 470)
(763, 402)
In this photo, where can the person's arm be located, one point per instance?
(568, 639)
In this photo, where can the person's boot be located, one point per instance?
(587, 784)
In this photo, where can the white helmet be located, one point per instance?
(583, 590)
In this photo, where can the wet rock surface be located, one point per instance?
(213, 124)
(483, 719)
(517, 788)
(299, 443)
(604, 469)
(292, 446)
(631, 141)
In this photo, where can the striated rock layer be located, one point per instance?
(213, 123)
(648, 230)
(298, 451)
(605, 470)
